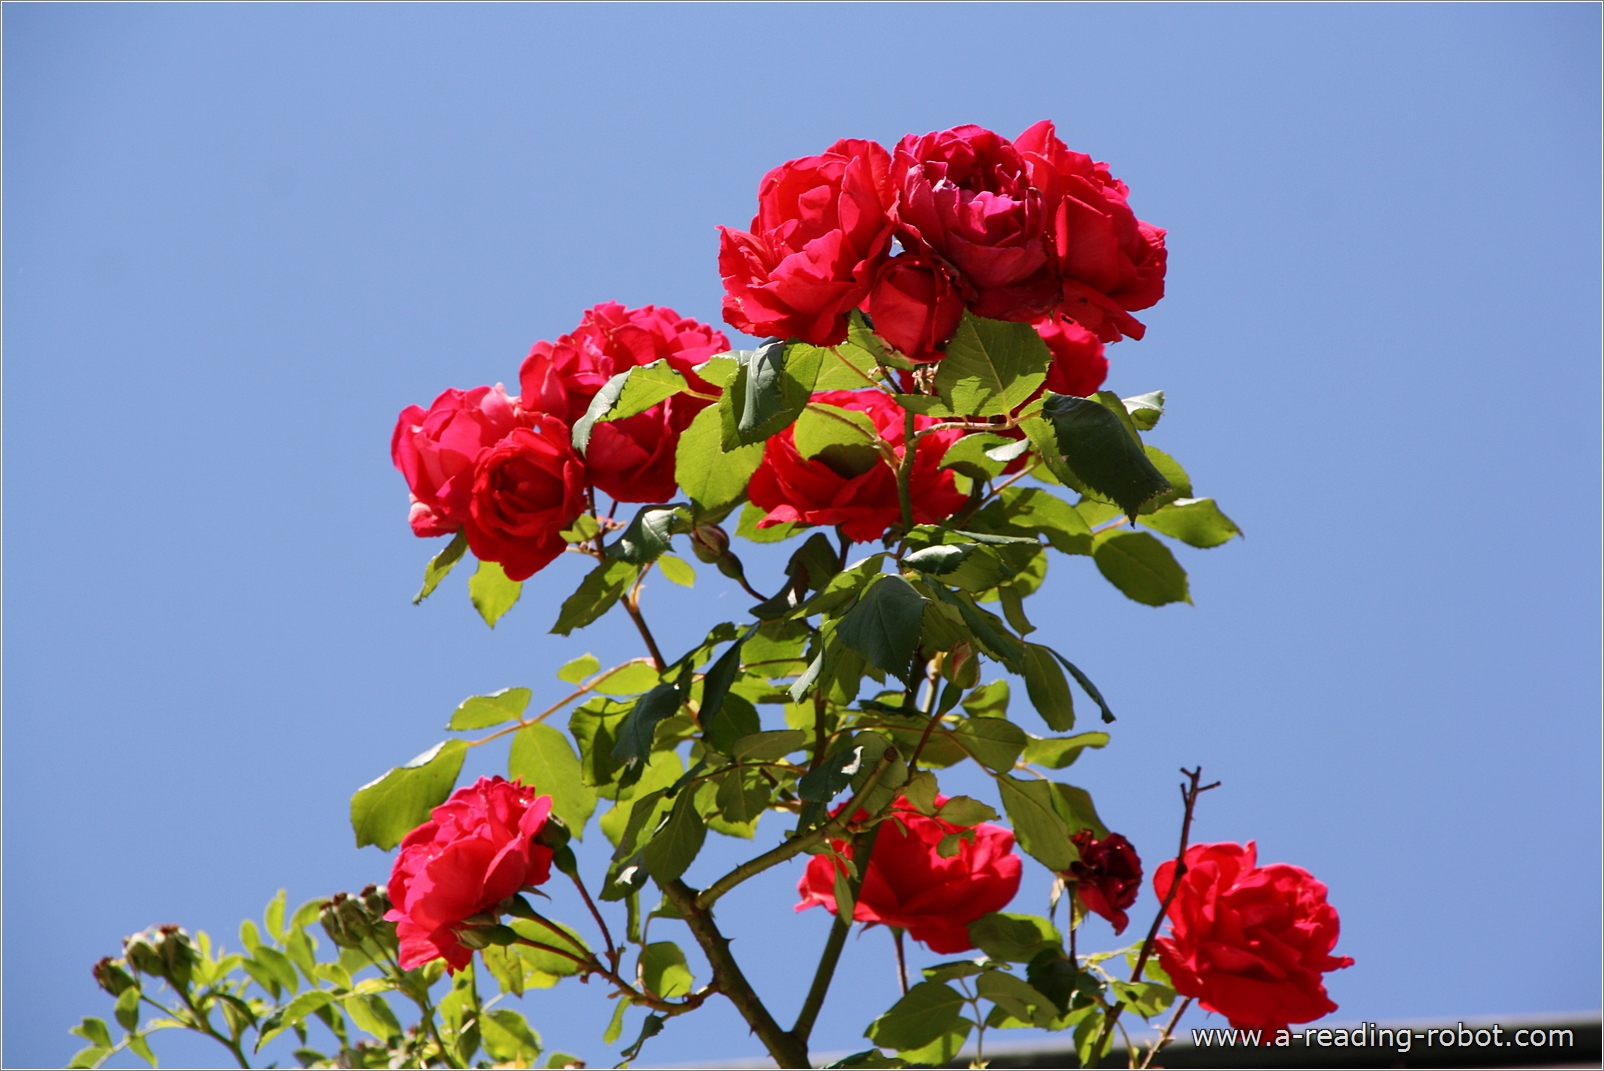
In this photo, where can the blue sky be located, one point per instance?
(240, 239)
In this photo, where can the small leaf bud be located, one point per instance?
(553, 834)
(709, 542)
(111, 977)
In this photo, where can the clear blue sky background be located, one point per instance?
(240, 239)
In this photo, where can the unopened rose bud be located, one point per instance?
(376, 898)
(345, 919)
(477, 937)
(553, 833)
(709, 542)
(165, 952)
(112, 978)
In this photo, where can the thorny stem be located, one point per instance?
(934, 674)
(799, 844)
(905, 473)
(631, 603)
(612, 950)
(1164, 1038)
(1189, 794)
(205, 1023)
(862, 848)
(820, 725)
(590, 964)
(902, 959)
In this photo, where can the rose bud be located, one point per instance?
(112, 978)
(1108, 877)
(915, 307)
(709, 542)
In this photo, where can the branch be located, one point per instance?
(631, 603)
(862, 848)
(910, 447)
(799, 844)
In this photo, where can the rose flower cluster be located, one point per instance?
(503, 469)
(1024, 230)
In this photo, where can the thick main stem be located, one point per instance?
(728, 979)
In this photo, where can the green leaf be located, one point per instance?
(848, 367)
(602, 401)
(624, 825)
(746, 527)
(1057, 752)
(387, 809)
(940, 560)
(942, 1051)
(994, 639)
(844, 439)
(988, 700)
(548, 962)
(576, 671)
(1039, 828)
(94, 1030)
(615, 1028)
(969, 455)
(742, 797)
(508, 1038)
(141, 1048)
(946, 972)
(89, 1057)
(373, 1015)
(1014, 938)
(1145, 409)
(583, 530)
(1180, 483)
(291, 1014)
(995, 743)
(674, 848)
(1049, 692)
(991, 366)
(127, 1010)
(644, 386)
(1196, 522)
(1146, 999)
(602, 587)
(650, 1028)
(483, 711)
(928, 1011)
(884, 625)
(765, 747)
(631, 678)
(715, 479)
(1090, 448)
(1141, 567)
(823, 783)
(649, 534)
(1086, 683)
(273, 915)
(768, 393)
(491, 593)
(640, 728)
(595, 726)
(1074, 805)
(440, 565)
(1040, 512)
(966, 812)
(677, 570)
(1016, 996)
(542, 758)
(719, 370)
(1052, 974)
(663, 970)
(735, 719)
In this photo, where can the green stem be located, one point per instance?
(910, 447)
(862, 848)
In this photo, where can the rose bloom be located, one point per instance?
(910, 886)
(1108, 877)
(1079, 366)
(915, 306)
(965, 199)
(476, 849)
(862, 498)
(822, 228)
(1110, 262)
(632, 459)
(435, 450)
(1249, 942)
(527, 489)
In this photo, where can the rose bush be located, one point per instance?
(1108, 876)
(1249, 942)
(909, 885)
(477, 849)
(856, 492)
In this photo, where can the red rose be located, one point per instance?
(527, 489)
(965, 199)
(915, 306)
(1079, 366)
(477, 849)
(909, 885)
(435, 451)
(632, 459)
(1111, 263)
(822, 227)
(1108, 877)
(862, 498)
(1250, 942)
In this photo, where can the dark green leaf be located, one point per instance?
(929, 1010)
(991, 366)
(645, 814)
(1086, 683)
(1196, 522)
(988, 700)
(940, 560)
(994, 639)
(649, 534)
(648, 1029)
(635, 736)
(663, 970)
(713, 478)
(385, 810)
(1016, 996)
(1141, 567)
(483, 711)
(1052, 974)
(1057, 752)
(1014, 938)
(1039, 828)
(491, 593)
(602, 587)
(673, 849)
(1039, 511)
(824, 783)
(884, 625)
(768, 393)
(595, 726)
(440, 565)
(1090, 448)
(765, 747)
(866, 1058)
(1049, 692)
(736, 718)
(716, 684)
(741, 797)
(543, 759)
